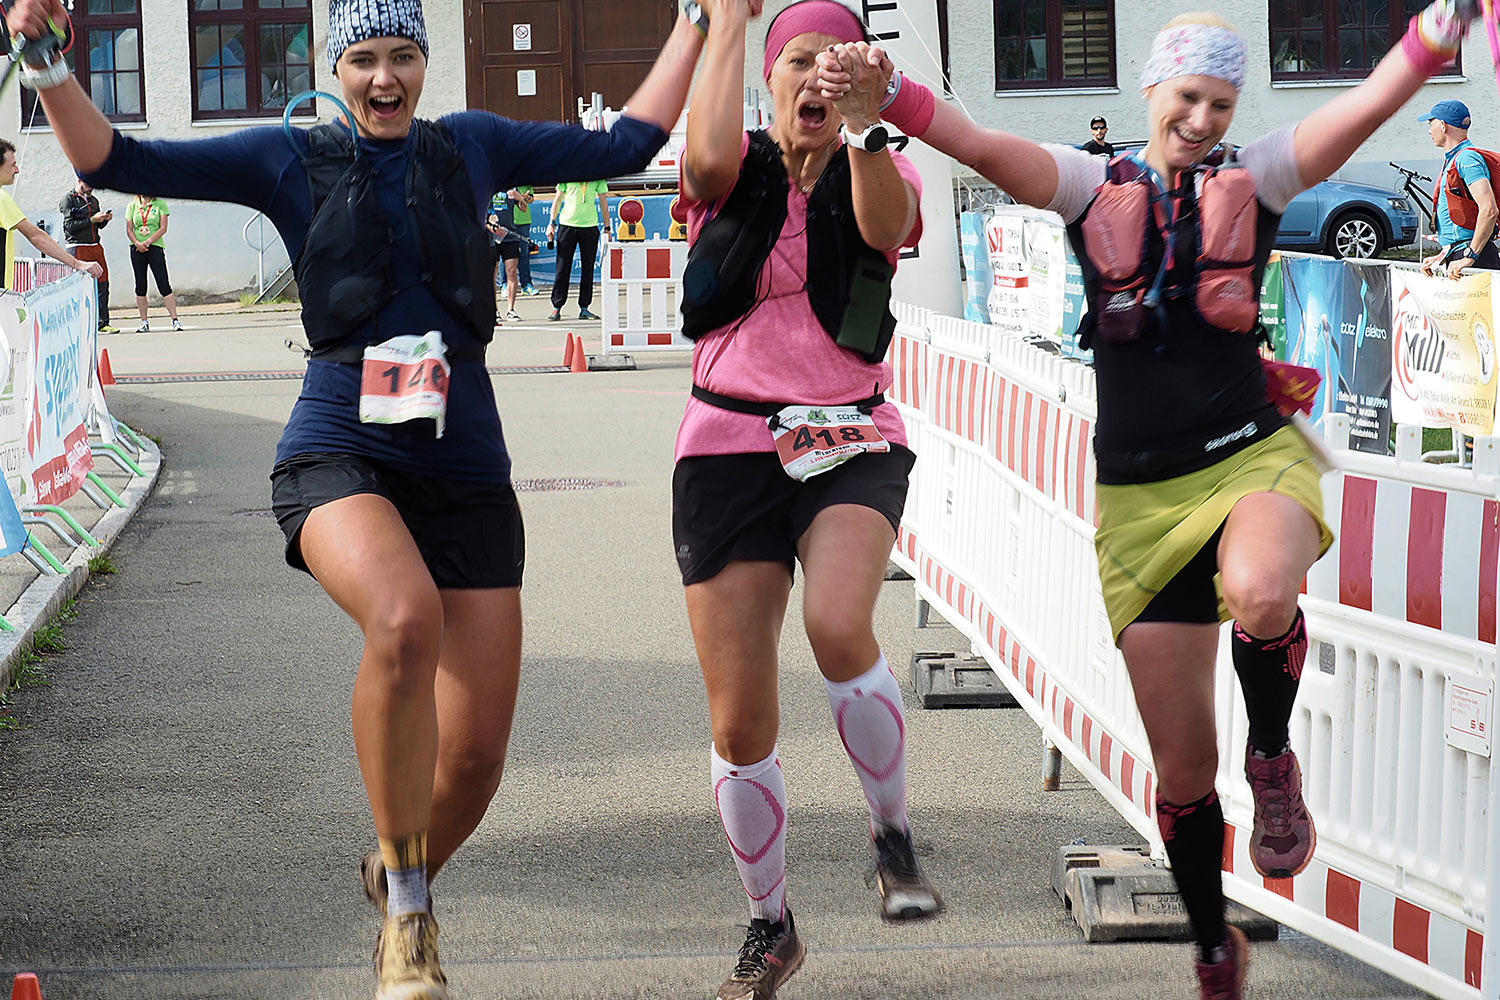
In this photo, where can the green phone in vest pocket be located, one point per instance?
(869, 294)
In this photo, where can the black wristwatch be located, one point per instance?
(1462, 250)
(872, 140)
(696, 15)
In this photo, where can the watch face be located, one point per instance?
(877, 137)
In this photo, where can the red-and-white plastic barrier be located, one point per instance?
(1394, 719)
(29, 272)
(639, 296)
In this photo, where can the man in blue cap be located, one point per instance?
(1464, 196)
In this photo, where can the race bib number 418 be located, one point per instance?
(814, 439)
(405, 378)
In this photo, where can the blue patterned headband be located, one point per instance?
(351, 21)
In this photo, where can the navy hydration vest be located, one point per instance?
(344, 272)
(848, 281)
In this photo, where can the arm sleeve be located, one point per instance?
(244, 167)
(1078, 177)
(1272, 162)
(526, 152)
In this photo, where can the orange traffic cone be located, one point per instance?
(106, 373)
(580, 360)
(26, 987)
(568, 352)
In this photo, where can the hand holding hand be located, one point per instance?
(854, 75)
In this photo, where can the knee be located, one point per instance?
(1184, 777)
(839, 637)
(404, 639)
(745, 740)
(1260, 603)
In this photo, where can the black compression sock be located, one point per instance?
(1194, 838)
(1269, 671)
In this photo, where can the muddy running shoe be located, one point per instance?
(769, 956)
(905, 893)
(1284, 837)
(372, 880)
(406, 959)
(1225, 979)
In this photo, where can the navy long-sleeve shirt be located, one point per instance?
(258, 168)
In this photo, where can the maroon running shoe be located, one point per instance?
(1284, 836)
(769, 956)
(1225, 979)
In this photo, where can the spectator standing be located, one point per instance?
(576, 223)
(1464, 196)
(507, 246)
(521, 217)
(146, 225)
(82, 219)
(12, 219)
(1096, 146)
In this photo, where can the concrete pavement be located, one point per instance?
(182, 815)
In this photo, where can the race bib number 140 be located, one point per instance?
(405, 378)
(814, 439)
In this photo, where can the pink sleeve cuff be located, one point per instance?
(911, 108)
(1426, 60)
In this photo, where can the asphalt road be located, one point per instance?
(181, 816)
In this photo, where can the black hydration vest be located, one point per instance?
(344, 274)
(848, 281)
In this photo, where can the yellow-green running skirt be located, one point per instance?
(1149, 531)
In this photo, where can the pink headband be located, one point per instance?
(826, 17)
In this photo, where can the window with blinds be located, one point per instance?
(1054, 44)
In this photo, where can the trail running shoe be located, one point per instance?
(372, 879)
(143, 328)
(529, 290)
(585, 314)
(107, 328)
(1284, 836)
(1225, 979)
(176, 325)
(905, 893)
(406, 959)
(769, 956)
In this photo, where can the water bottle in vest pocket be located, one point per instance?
(1114, 236)
(1226, 295)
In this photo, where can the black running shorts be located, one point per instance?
(745, 506)
(470, 534)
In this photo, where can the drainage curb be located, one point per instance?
(46, 595)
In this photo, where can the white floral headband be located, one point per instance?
(1196, 50)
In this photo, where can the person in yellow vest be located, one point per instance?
(576, 224)
(13, 220)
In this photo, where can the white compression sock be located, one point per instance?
(867, 713)
(752, 806)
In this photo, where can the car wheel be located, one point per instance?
(1355, 234)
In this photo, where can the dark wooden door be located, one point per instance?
(577, 47)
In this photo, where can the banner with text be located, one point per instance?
(63, 339)
(1443, 352)
(978, 278)
(15, 349)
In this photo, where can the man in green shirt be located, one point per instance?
(576, 223)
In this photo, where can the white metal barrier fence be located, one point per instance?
(640, 288)
(1392, 722)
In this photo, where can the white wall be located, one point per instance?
(1064, 117)
(205, 251)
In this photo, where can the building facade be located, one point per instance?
(179, 69)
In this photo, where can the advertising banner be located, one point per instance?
(977, 274)
(1005, 237)
(1045, 249)
(1312, 289)
(15, 348)
(63, 332)
(1362, 357)
(1443, 352)
(1271, 316)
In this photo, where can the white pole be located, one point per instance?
(908, 30)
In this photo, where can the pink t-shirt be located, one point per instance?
(779, 352)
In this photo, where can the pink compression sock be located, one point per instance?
(752, 806)
(867, 713)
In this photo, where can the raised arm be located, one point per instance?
(660, 97)
(885, 205)
(81, 129)
(711, 160)
(1326, 139)
(1019, 167)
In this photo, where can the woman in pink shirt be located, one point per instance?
(787, 450)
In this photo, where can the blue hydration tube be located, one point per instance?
(308, 95)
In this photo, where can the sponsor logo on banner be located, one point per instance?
(62, 355)
(1443, 352)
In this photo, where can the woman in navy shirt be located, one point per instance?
(396, 500)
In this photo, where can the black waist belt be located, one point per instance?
(760, 409)
(352, 355)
